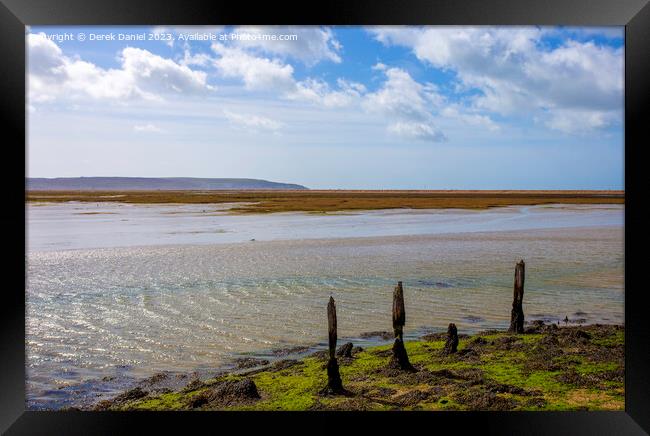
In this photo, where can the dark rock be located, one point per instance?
(432, 337)
(345, 350)
(249, 362)
(226, 393)
(154, 379)
(130, 395)
(241, 389)
(290, 350)
(193, 385)
(320, 354)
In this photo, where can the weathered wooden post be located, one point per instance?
(517, 314)
(451, 345)
(400, 359)
(334, 383)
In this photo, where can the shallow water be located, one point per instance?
(117, 298)
(64, 226)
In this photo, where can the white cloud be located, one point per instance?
(577, 121)
(257, 73)
(407, 105)
(313, 44)
(518, 75)
(198, 59)
(402, 96)
(142, 75)
(417, 130)
(320, 93)
(273, 75)
(149, 128)
(254, 122)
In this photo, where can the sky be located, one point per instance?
(434, 107)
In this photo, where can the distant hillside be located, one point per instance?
(149, 183)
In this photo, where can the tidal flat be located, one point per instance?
(116, 298)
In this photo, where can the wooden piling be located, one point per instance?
(517, 313)
(334, 383)
(399, 312)
(400, 358)
(451, 345)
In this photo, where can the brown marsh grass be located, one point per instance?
(336, 200)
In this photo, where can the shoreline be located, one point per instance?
(557, 364)
(323, 201)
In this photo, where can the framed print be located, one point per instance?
(360, 213)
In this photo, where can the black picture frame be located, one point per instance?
(15, 14)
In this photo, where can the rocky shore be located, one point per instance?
(548, 367)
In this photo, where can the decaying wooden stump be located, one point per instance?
(517, 313)
(334, 383)
(451, 345)
(400, 359)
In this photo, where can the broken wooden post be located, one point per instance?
(399, 312)
(451, 345)
(517, 314)
(334, 383)
(400, 359)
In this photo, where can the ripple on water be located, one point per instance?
(129, 312)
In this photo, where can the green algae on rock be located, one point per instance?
(547, 368)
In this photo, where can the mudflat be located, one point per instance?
(267, 201)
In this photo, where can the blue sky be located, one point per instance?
(333, 107)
